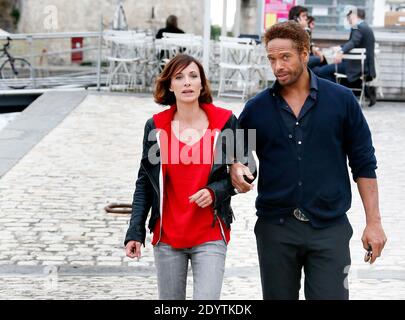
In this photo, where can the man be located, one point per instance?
(361, 36)
(306, 128)
(171, 27)
(300, 15)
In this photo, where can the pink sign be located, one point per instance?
(276, 11)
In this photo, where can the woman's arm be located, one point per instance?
(142, 198)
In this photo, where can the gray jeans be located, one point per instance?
(207, 263)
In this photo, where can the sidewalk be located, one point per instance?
(57, 242)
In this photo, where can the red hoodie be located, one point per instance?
(185, 224)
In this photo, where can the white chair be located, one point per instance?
(123, 57)
(262, 68)
(358, 54)
(175, 43)
(146, 67)
(236, 66)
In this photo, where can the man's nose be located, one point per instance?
(278, 65)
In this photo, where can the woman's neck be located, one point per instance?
(188, 113)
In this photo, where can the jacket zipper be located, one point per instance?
(160, 188)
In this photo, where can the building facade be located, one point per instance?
(39, 16)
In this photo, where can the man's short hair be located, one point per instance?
(171, 21)
(289, 30)
(361, 13)
(295, 12)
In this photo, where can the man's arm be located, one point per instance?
(373, 234)
(241, 175)
(354, 41)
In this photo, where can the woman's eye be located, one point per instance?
(178, 77)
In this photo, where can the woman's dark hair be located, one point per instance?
(171, 21)
(310, 19)
(162, 93)
(289, 30)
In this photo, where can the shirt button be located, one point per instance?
(299, 142)
(299, 158)
(290, 136)
(297, 123)
(300, 183)
(281, 220)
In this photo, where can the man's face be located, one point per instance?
(350, 19)
(303, 19)
(287, 64)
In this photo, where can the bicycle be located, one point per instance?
(15, 69)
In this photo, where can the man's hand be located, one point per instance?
(237, 171)
(338, 57)
(202, 198)
(133, 249)
(318, 52)
(375, 237)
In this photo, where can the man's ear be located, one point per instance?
(305, 56)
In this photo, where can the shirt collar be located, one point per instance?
(313, 86)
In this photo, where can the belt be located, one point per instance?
(299, 215)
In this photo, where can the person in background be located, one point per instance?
(184, 178)
(361, 36)
(300, 15)
(171, 27)
(311, 23)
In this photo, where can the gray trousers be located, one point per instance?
(285, 249)
(207, 263)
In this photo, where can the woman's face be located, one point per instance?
(186, 84)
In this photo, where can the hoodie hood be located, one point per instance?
(217, 116)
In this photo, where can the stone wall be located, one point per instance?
(83, 15)
(248, 17)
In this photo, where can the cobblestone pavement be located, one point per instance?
(56, 241)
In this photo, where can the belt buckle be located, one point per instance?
(300, 216)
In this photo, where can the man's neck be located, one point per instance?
(302, 85)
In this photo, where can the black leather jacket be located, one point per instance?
(147, 191)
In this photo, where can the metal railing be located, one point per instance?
(51, 62)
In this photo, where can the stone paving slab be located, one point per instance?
(53, 225)
(44, 114)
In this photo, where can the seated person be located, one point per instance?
(300, 15)
(361, 36)
(316, 57)
(171, 27)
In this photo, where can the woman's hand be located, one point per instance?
(202, 198)
(133, 249)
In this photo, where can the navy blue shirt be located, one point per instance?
(303, 161)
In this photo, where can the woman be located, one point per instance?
(183, 177)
